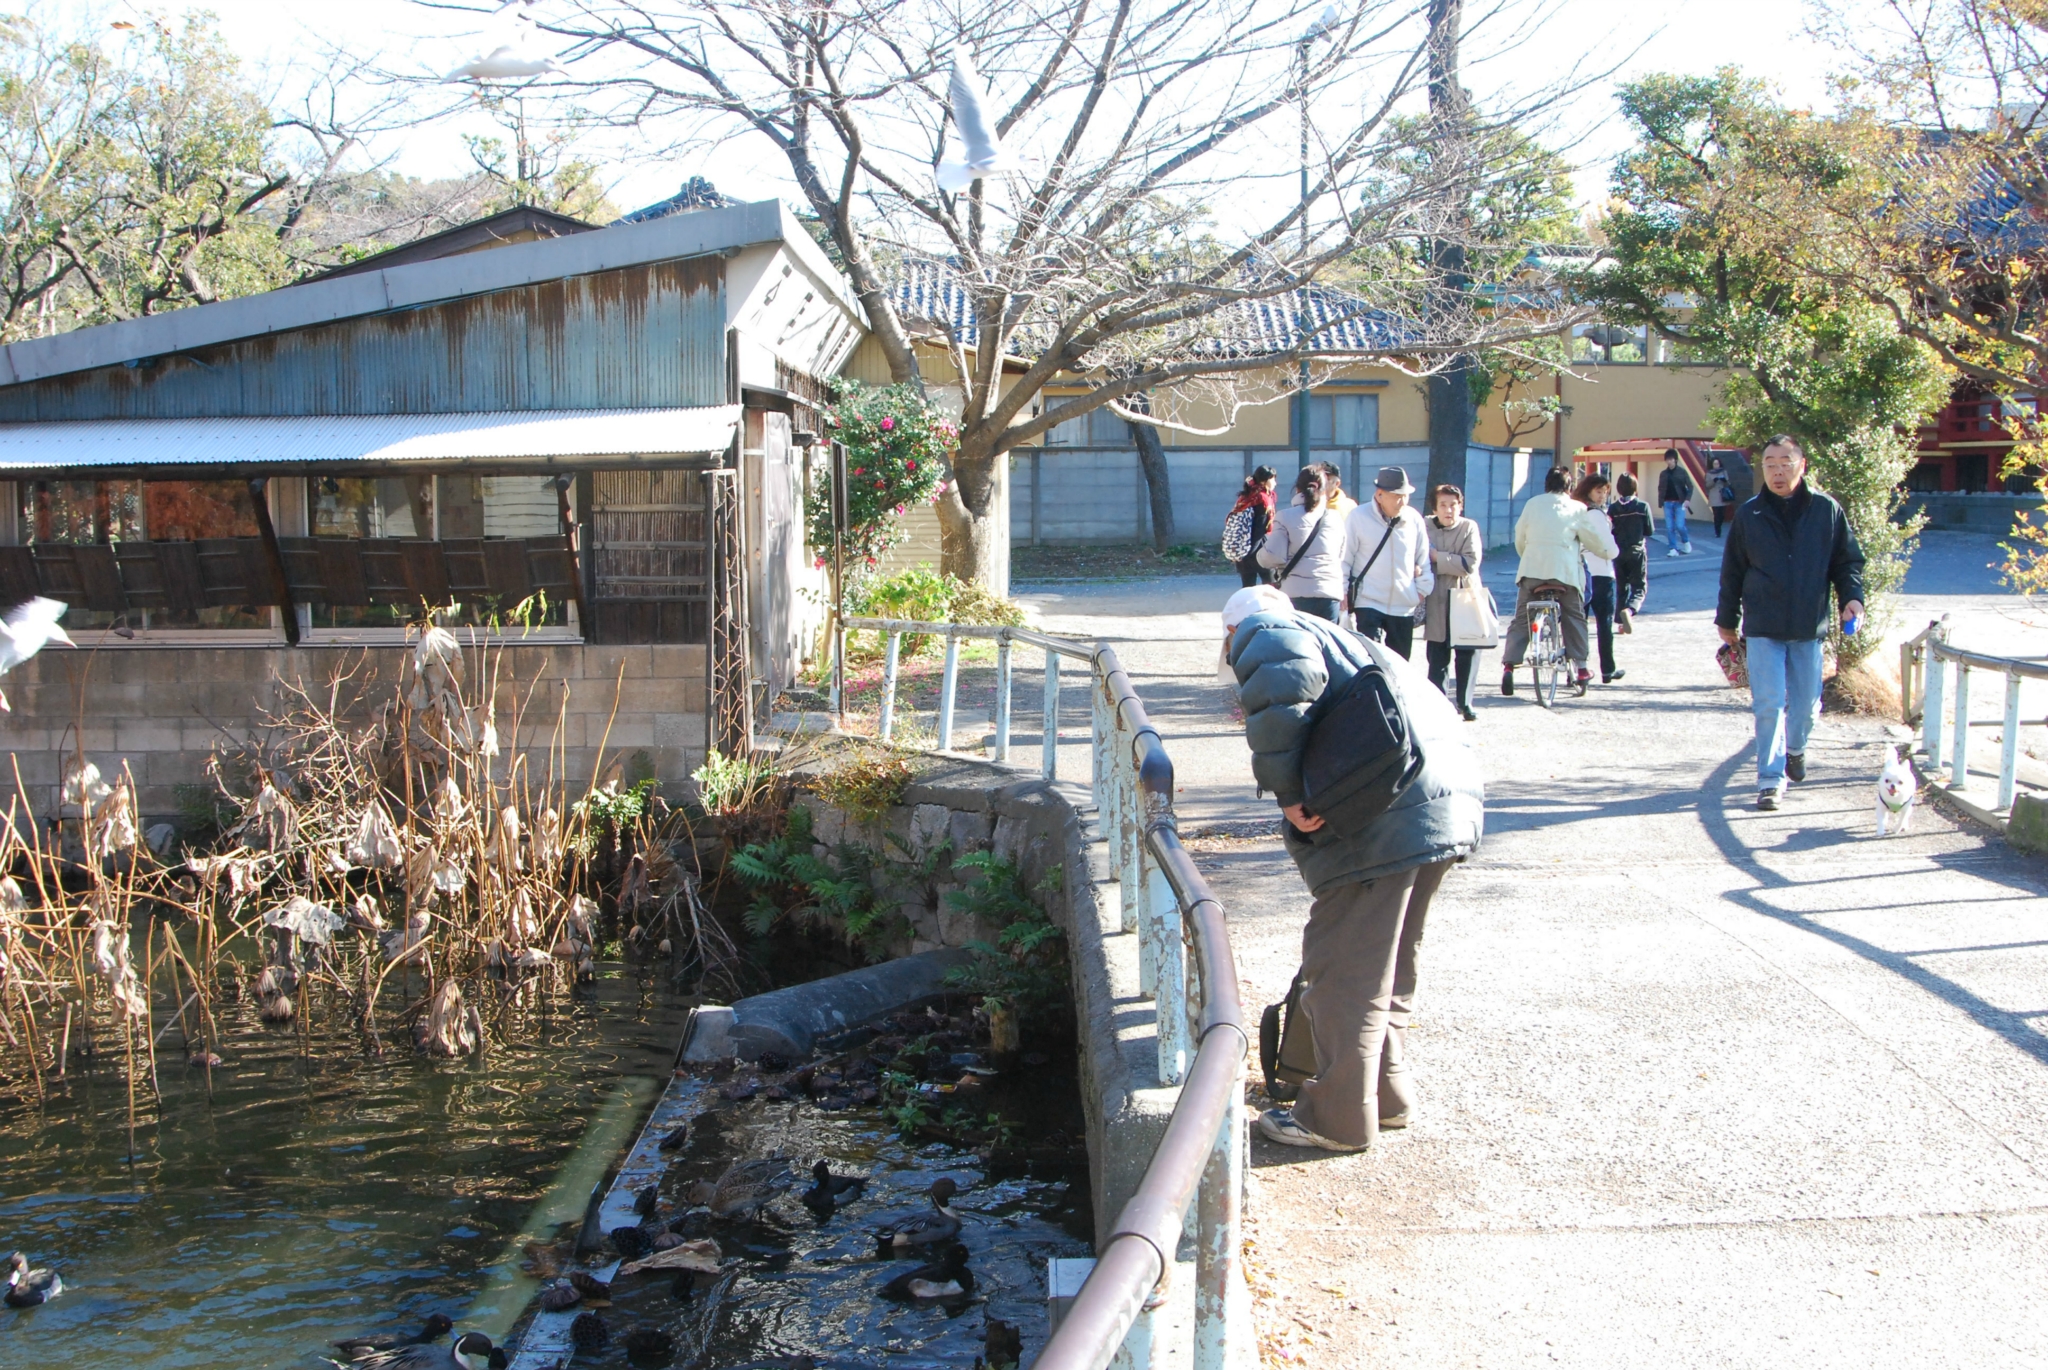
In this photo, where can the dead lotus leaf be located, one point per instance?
(700, 1255)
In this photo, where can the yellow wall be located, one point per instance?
(1606, 403)
(1613, 403)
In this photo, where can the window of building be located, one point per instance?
(1096, 428)
(1339, 419)
(441, 507)
(1610, 344)
(80, 512)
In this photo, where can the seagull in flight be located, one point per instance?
(27, 629)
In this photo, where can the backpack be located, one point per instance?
(1360, 755)
(1287, 1052)
(1237, 535)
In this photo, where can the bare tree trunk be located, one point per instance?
(1152, 458)
(974, 524)
(1451, 413)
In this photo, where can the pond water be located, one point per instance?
(316, 1194)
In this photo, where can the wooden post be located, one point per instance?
(274, 555)
(569, 531)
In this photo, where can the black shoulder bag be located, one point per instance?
(1351, 592)
(1301, 551)
(1360, 755)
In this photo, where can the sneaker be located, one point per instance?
(1795, 765)
(1465, 712)
(1507, 681)
(1278, 1125)
(1767, 799)
(1622, 621)
(1674, 552)
(1610, 679)
(1585, 678)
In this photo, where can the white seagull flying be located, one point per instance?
(985, 155)
(506, 63)
(26, 630)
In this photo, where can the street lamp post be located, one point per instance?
(1301, 320)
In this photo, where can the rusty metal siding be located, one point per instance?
(639, 337)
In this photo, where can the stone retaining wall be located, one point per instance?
(1041, 826)
(163, 710)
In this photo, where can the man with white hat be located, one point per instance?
(1372, 854)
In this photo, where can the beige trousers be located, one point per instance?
(1358, 967)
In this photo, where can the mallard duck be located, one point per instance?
(742, 1191)
(942, 1224)
(945, 1278)
(828, 1190)
(438, 1325)
(26, 1288)
(471, 1351)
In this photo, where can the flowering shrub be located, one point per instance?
(897, 447)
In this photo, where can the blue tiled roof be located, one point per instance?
(697, 193)
(1337, 322)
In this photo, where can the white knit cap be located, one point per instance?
(1253, 599)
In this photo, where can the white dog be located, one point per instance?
(1897, 792)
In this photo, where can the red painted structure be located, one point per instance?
(1965, 447)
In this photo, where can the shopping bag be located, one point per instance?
(1475, 621)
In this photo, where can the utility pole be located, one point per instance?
(1451, 413)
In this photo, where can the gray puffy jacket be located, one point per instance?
(1284, 663)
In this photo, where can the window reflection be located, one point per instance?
(370, 506)
(56, 512)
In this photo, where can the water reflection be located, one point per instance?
(315, 1195)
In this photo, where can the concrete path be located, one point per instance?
(1699, 1086)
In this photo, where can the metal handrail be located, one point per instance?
(1198, 1019)
(1925, 657)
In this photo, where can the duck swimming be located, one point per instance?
(438, 1325)
(26, 1288)
(471, 1351)
(828, 1190)
(742, 1191)
(945, 1278)
(942, 1224)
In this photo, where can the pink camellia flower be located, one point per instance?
(888, 424)
(881, 485)
(899, 508)
(910, 466)
(819, 564)
(860, 471)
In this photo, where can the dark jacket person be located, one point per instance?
(1789, 548)
(1371, 889)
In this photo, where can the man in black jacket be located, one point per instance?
(1787, 548)
(1674, 492)
(1632, 522)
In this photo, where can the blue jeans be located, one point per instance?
(1784, 693)
(1315, 606)
(1674, 526)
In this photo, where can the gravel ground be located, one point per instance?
(1699, 1086)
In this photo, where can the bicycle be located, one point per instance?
(1546, 659)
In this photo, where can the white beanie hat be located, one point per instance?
(1253, 599)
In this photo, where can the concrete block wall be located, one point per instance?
(1082, 495)
(164, 710)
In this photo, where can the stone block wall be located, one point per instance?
(965, 806)
(163, 710)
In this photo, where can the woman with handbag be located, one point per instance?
(1454, 556)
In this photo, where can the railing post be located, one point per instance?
(1908, 654)
(888, 722)
(1049, 752)
(1959, 740)
(1003, 697)
(1130, 856)
(1933, 704)
(2009, 754)
(1218, 1219)
(1169, 973)
(947, 684)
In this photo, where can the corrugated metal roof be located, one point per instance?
(421, 283)
(320, 439)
